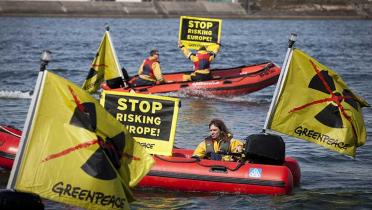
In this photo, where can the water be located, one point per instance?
(329, 180)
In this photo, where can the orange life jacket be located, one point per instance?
(203, 61)
(147, 68)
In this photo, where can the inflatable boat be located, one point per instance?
(183, 173)
(9, 140)
(263, 172)
(231, 81)
(262, 169)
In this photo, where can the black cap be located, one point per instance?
(154, 52)
(202, 48)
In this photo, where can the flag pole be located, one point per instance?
(45, 58)
(281, 80)
(115, 56)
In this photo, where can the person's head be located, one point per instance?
(154, 53)
(202, 48)
(218, 129)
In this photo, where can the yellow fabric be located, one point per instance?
(104, 67)
(63, 140)
(215, 48)
(186, 77)
(299, 103)
(157, 72)
(201, 148)
(202, 71)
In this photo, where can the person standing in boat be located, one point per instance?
(219, 142)
(202, 60)
(149, 73)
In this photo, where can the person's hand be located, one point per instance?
(239, 149)
(180, 45)
(196, 157)
(160, 82)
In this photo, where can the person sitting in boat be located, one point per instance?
(202, 60)
(149, 73)
(219, 143)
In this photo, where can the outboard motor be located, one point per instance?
(115, 83)
(125, 74)
(265, 148)
(118, 81)
(10, 199)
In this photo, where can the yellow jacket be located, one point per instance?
(200, 150)
(192, 56)
(158, 76)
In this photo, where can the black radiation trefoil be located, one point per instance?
(331, 114)
(98, 165)
(92, 71)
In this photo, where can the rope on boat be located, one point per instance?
(2, 128)
(213, 166)
(196, 160)
(252, 74)
(193, 160)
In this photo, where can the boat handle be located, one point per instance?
(142, 90)
(184, 85)
(218, 169)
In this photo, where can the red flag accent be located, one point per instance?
(78, 104)
(71, 149)
(335, 98)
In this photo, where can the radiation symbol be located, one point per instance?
(331, 114)
(91, 73)
(98, 165)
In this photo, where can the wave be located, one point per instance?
(250, 99)
(17, 94)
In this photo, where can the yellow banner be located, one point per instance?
(150, 119)
(315, 104)
(77, 153)
(105, 66)
(195, 32)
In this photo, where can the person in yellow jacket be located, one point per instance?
(218, 143)
(150, 72)
(202, 60)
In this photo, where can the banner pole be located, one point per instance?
(45, 58)
(281, 80)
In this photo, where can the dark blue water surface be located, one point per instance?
(329, 180)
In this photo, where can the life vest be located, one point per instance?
(209, 149)
(147, 68)
(203, 61)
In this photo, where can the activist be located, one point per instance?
(219, 141)
(202, 60)
(150, 72)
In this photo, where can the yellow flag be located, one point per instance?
(104, 67)
(315, 104)
(77, 153)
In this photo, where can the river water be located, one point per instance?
(329, 180)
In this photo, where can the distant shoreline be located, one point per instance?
(174, 9)
(170, 17)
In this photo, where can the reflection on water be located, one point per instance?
(197, 111)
